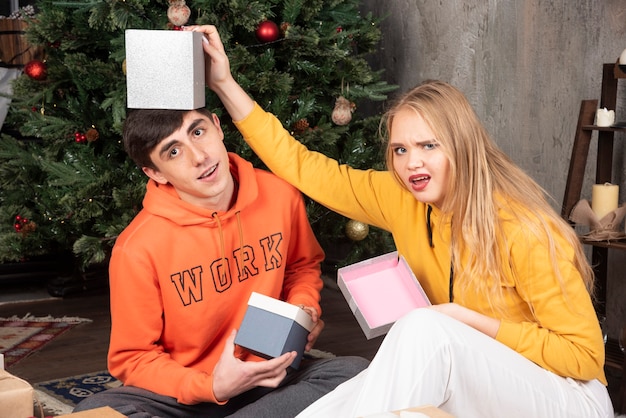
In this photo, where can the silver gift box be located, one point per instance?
(164, 69)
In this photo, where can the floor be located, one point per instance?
(83, 349)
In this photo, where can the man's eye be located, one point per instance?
(198, 132)
(174, 152)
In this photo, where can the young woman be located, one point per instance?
(512, 331)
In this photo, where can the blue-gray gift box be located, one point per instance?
(272, 327)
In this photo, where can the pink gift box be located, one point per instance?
(380, 291)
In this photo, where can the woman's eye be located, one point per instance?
(430, 146)
(399, 150)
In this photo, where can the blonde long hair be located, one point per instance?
(482, 181)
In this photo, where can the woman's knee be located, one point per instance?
(421, 318)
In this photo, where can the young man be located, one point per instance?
(212, 230)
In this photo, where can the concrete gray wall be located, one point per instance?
(525, 65)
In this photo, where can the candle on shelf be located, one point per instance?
(604, 198)
(605, 117)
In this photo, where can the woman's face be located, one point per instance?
(417, 157)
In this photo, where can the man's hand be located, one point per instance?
(232, 376)
(317, 330)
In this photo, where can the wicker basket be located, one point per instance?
(14, 49)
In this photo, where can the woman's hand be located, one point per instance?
(482, 323)
(217, 66)
(218, 76)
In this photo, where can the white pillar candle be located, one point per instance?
(605, 117)
(604, 199)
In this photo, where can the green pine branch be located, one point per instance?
(80, 195)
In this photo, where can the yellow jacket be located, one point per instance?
(561, 335)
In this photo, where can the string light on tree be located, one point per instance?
(267, 31)
(357, 231)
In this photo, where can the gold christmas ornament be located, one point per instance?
(342, 113)
(356, 230)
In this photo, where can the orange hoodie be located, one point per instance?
(181, 276)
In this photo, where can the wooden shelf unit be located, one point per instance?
(611, 73)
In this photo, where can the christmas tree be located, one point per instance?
(66, 183)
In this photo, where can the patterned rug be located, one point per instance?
(60, 396)
(20, 337)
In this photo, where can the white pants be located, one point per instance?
(428, 358)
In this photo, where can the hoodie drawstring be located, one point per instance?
(238, 213)
(451, 289)
(429, 228)
(222, 245)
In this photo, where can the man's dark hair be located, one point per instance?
(144, 129)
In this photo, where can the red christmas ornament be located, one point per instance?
(80, 137)
(267, 31)
(37, 70)
(19, 223)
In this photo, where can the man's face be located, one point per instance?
(194, 161)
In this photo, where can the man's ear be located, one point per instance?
(154, 175)
(217, 124)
